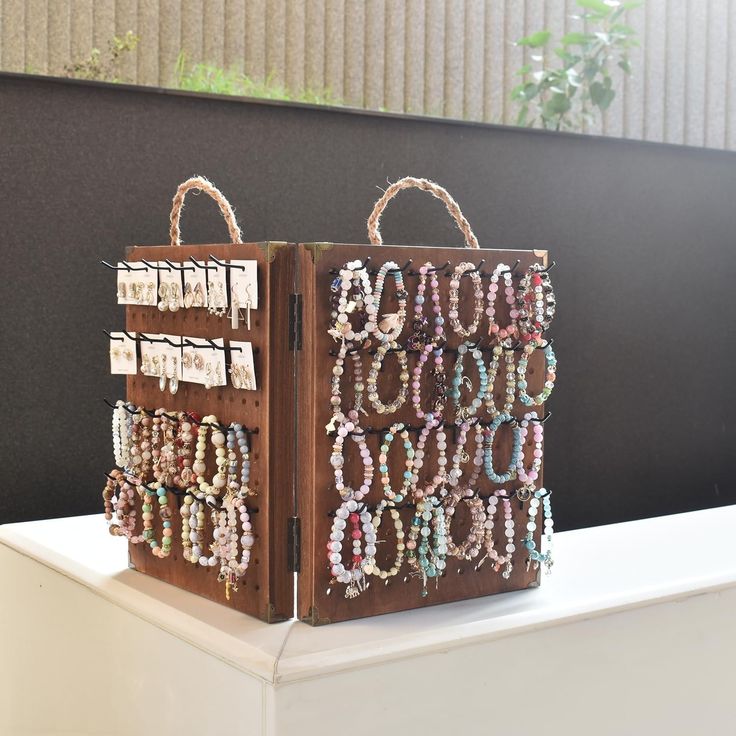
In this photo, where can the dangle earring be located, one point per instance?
(163, 292)
(198, 295)
(216, 299)
(248, 301)
(174, 378)
(234, 313)
(162, 374)
(174, 298)
(188, 296)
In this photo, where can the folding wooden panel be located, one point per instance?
(320, 602)
(267, 587)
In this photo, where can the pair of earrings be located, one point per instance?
(240, 377)
(173, 379)
(236, 313)
(126, 353)
(193, 296)
(193, 360)
(150, 366)
(170, 297)
(213, 376)
(216, 298)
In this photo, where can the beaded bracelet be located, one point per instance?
(184, 453)
(536, 303)
(372, 382)
(391, 326)
(528, 477)
(510, 390)
(354, 291)
(400, 430)
(535, 556)
(146, 454)
(119, 504)
(494, 329)
(194, 551)
(549, 379)
(427, 558)
(473, 542)
(337, 460)
(490, 539)
(158, 496)
(454, 301)
(510, 473)
(118, 422)
(465, 412)
(373, 568)
(209, 490)
(428, 343)
(338, 371)
(362, 526)
(459, 457)
(438, 481)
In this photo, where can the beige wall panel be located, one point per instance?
(415, 56)
(213, 32)
(13, 33)
(235, 35)
(697, 35)
(514, 57)
(675, 92)
(37, 19)
(395, 45)
(149, 14)
(434, 61)
(495, 52)
(255, 39)
(655, 70)
(375, 53)
(59, 30)
(731, 80)
(82, 29)
(295, 38)
(103, 22)
(126, 19)
(716, 92)
(276, 41)
(474, 60)
(169, 40)
(335, 47)
(314, 45)
(634, 85)
(454, 58)
(354, 52)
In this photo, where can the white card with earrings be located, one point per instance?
(242, 367)
(150, 355)
(243, 291)
(145, 285)
(195, 287)
(125, 284)
(170, 297)
(170, 368)
(123, 356)
(202, 363)
(217, 301)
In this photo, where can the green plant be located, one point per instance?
(580, 88)
(104, 67)
(215, 80)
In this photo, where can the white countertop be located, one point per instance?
(597, 571)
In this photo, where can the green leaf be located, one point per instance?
(631, 4)
(597, 6)
(536, 40)
(625, 65)
(601, 95)
(524, 70)
(623, 29)
(558, 104)
(530, 90)
(576, 38)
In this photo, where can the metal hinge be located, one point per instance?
(294, 542)
(295, 321)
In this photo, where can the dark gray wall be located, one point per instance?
(643, 234)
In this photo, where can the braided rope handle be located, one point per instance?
(199, 183)
(436, 191)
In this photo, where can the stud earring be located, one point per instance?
(163, 292)
(187, 360)
(174, 379)
(115, 353)
(198, 362)
(162, 374)
(150, 293)
(122, 290)
(128, 354)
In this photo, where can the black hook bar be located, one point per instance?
(155, 265)
(471, 270)
(226, 265)
(204, 266)
(513, 268)
(112, 337)
(179, 267)
(336, 271)
(549, 268)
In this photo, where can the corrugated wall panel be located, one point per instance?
(438, 57)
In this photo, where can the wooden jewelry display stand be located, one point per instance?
(290, 449)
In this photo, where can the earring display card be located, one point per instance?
(123, 355)
(125, 283)
(319, 599)
(150, 355)
(195, 287)
(216, 286)
(244, 283)
(266, 589)
(242, 366)
(170, 288)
